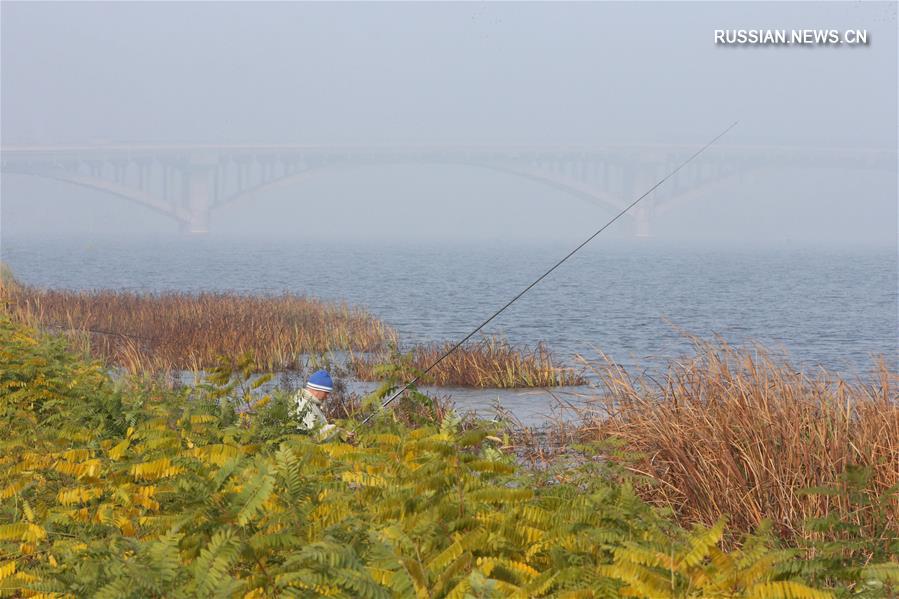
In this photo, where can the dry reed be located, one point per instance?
(488, 363)
(737, 433)
(179, 331)
(151, 332)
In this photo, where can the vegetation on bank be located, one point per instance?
(129, 489)
(179, 331)
(6, 277)
(739, 434)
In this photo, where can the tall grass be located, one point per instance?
(147, 332)
(487, 363)
(738, 433)
(7, 280)
(180, 331)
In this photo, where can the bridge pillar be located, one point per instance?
(198, 195)
(641, 221)
(643, 211)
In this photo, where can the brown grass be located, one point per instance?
(741, 434)
(7, 280)
(488, 363)
(149, 332)
(179, 331)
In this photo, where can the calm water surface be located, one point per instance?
(633, 301)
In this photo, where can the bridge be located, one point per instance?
(188, 182)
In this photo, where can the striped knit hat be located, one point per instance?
(320, 381)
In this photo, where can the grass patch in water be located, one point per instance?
(488, 363)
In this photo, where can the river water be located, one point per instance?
(631, 300)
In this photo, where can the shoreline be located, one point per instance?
(630, 300)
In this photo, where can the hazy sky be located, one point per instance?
(463, 73)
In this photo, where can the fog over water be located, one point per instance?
(467, 74)
(792, 242)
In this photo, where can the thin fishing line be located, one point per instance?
(554, 267)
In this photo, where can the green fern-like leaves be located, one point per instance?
(134, 490)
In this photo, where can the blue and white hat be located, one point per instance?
(320, 381)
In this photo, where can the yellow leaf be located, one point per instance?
(29, 513)
(202, 419)
(12, 488)
(161, 468)
(119, 450)
(363, 479)
(34, 533)
(13, 532)
(26, 577)
(77, 495)
(76, 455)
(26, 549)
(90, 468)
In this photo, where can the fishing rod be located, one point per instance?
(419, 376)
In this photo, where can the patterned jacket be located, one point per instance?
(310, 417)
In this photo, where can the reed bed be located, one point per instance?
(153, 332)
(180, 331)
(488, 363)
(740, 434)
(7, 280)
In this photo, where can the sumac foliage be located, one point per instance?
(120, 489)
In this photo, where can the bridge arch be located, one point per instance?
(737, 175)
(571, 187)
(131, 194)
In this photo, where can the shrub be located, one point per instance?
(134, 491)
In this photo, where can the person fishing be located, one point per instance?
(310, 416)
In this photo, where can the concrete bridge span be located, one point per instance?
(189, 182)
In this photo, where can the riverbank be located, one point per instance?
(719, 430)
(135, 489)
